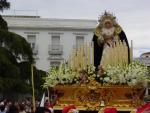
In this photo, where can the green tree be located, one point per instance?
(16, 58)
(4, 4)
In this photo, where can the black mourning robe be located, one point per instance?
(98, 49)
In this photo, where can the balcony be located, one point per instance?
(55, 50)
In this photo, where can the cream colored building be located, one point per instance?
(51, 39)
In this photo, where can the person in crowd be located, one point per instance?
(28, 107)
(2, 109)
(70, 109)
(21, 108)
(13, 109)
(110, 110)
(46, 110)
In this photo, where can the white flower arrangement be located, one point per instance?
(133, 74)
(90, 70)
(136, 74)
(63, 75)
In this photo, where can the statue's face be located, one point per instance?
(108, 25)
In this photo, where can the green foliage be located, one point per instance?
(13, 48)
(16, 58)
(4, 5)
(3, 24)
(15, 65)
(25, 69)
(39, 81)
(16, 44)
(7, 61)
(148, 70)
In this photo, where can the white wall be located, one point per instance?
(43, 40)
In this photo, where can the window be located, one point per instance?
(146, 56)
(32, 40)
(55, 44)
(79, 41)
(55, 40)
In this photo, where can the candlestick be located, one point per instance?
(131, 51)
(89, 54)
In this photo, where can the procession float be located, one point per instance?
(100, 74)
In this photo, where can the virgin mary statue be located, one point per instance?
(106, 34)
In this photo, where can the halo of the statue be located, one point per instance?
(105, 17)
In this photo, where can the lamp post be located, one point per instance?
(33, 91)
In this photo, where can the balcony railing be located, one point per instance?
(55, 50)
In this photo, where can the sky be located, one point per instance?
(132, 15)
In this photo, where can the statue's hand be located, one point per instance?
(104, 35)
(107, 37)
(100, 40)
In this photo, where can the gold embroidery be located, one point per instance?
(97, 31)
(118, 30)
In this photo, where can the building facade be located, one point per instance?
(51, 40)
(145, 59)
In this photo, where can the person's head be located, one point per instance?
(13, 109)
(108, 24)
(21, 107)
(69, 109)
(2, 108)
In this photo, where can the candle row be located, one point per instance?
(115, 55)
(81, 57)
